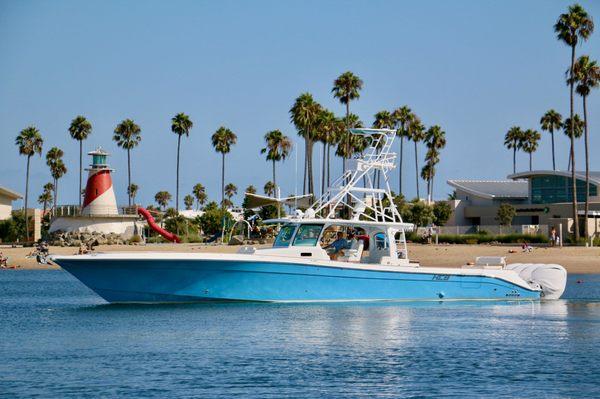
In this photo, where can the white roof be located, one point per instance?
(594, 176)
(13, 195)
(491, 189)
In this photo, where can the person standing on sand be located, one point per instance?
(553, 236)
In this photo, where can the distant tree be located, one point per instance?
(132, 191)
(416, 132)
(171, 212)
(531, 139)
(435, 139)
(305, 113)
(402, 118)
(569, 28)
(57, 168)
(30, 142)
(200, 194)
(506, 213)
(162, 198)
(181, 124)
(269, 189)
(47, 196)
(222, 140)
(278, 147)
(513, 140)
(127, 135)
(587, 75)
(420, 213)
(452, 196)
(79, 130)
(346, 88)
(550, 122)
(251, 189)
(213, 218)
(441, 213)
(576, 129)
(188, 201)
(230, 191)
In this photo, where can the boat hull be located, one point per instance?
(198, 280)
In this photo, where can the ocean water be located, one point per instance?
(59, 340)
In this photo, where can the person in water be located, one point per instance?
(337, 246)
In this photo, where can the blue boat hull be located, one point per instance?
(127, 281)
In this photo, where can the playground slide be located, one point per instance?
(167, 235)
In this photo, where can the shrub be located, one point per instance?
(441, 213)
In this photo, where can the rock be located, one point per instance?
(236, 240)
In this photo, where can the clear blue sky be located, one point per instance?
(474, 67)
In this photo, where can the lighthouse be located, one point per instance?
(99, 213)
(99, 193)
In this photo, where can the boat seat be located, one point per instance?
(354, 253)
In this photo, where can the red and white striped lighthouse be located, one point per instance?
(99, 194)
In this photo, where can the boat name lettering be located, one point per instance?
(441, 277)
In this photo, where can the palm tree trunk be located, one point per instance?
(27, 198)
(129, 177)
(80, 169)
(305, 165)
(274, 181)
(417, 168)
(323, 168)
(55, 194)
(515, 159)
(431, 188)
(400, 164)
(311, 188)
(587, 169)
(222, 179)
(553, 159)
(177, 186)
(575, 215)
(530, 163)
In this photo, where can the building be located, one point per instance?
(99, 213)
(541, 197)
(6, 199)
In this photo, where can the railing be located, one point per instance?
(495, 229)
(75, 210)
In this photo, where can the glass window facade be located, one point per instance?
(552, 189)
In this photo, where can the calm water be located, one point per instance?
(57, 339)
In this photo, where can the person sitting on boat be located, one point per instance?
(336, 247)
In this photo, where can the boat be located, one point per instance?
(300, 267)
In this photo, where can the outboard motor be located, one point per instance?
(551, 278)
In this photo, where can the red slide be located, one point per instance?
(167, 235)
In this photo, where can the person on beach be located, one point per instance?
(3, 261)
(553, 236)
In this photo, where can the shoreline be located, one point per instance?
(577, 260)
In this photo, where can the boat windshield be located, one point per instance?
(284, 238)
(308, 235)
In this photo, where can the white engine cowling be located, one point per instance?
(551, 278)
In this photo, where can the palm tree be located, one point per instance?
(550, 122)
(435, 139)
(327, 131)
(180, 124)
(530, 144)
(127, 136)
(29, 142)
(577, 131)
(46, 197)
(587, 76)
(57, 168)
(402, 117)
(269, 189)
(188, 201)
(79, 130)
(513, 140)
(162, 198)
(383, 120)
(304, 115)
(230, 191)
(250, 189)
(222, 140)
(346, 88)
(278, 147)
(200, 194)
(132, 191)
(416, 132)
(569, 27)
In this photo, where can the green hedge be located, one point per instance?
(482, 238)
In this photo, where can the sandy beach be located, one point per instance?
(575, 259)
